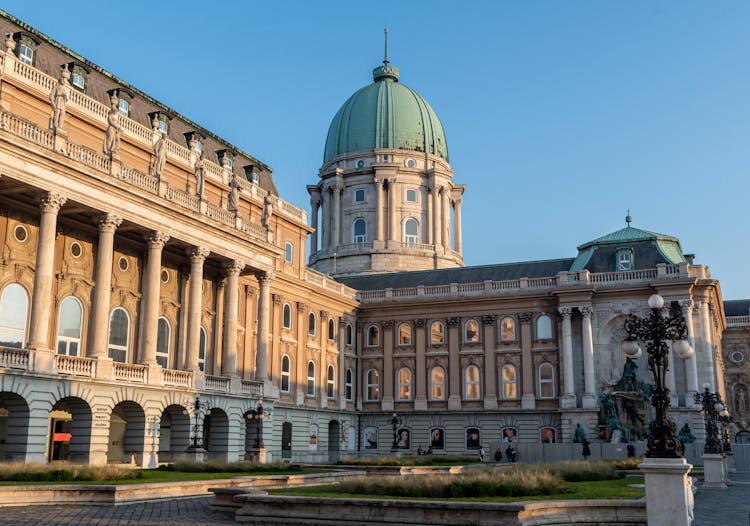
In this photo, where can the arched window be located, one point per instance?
(349, 384)
(437, 333)
(311, 324)
(543, 327)
(546, 380)
(373, 336)
(372, 384)
(163, 342)
(119, 335)
(507, 329)
(404, 334)
(360, 231)
(437, 383)
(289, 252)
(471, 331)
(286, 368)
(331, 329)
(69, 327)
(14, 306)
(349, 335)
(411, 231)
(508, 382)
(331, 377)
(202, 350)
(471, 383)
(403, 380)
(310, 378)
(286, 321)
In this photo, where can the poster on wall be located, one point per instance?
(547, 435)
(509, 434)
(371, 438)
(472, 438)
(403, 436)
(437, 438)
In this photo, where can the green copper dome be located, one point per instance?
(386, 114)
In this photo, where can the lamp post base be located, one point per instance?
(713, 472)
(669, 494)
(194, 454)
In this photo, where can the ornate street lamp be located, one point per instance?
(395, 422)
(655, 331)
(712, 405)
(197, 438)
(725, 420)
(257, 414)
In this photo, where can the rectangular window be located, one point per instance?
(624, 260)
(163, 127)
(123, 107)
(359, 196)
(78, 81)
(26, 54)
(411, 196)
(289, 252)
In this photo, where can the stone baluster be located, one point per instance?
(108, 223)
(568, 399)
(150, 297)
(197, 257)
(264, 315)
(231, 313)
(589, 388)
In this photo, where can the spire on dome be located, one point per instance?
(385, 60)
(628, 219)
(386, 72)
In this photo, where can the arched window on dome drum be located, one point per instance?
(14, 306)
(70, 327)
(411, 231)
(360, 231)
(119, 335)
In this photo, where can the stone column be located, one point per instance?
(691, 366)
(231, 313)
(436, 222)
(326, 219)
(322, 370)
(568, 400)
(336, 215)
(708, 347)
(528, 400)
(108, 223)
(341, 374)
(387, 404)
(264, 311)
(195, 297)
(41, 300)
(670, 379)
(392, 203)
(314, 204)
(489, 321)
(420, 376)
(446, 220)
(379, 205)
(454, 364)
(589, 386)
(429, 229)
(150, 297)
(299, 362)
(457, 239)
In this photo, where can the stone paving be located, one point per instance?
(724, 507)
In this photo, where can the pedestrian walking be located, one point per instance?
(586, 450)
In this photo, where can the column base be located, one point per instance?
(713, 472)
(528, 401)
(588, 401)
(420, 403)
(42, 361)
(669, 493)
(454, 403)
(568, 401)
(104, 368)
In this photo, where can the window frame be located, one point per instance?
(403, 384)
(401, 342)
(503, 382)
(10, 329)
(501, 328)
(310, 379)
(537, 331)
(165, 354)
(349, 335)
(411, 238)
(434, 384)
(202, 349)
(289, 252)
(331, 382)
(349, 384)
(619, 259)
(372, 385)
(369, 333)
(359, 238)
(412, 191)
(24, 58)
(542, 382)
(331, 330)
(466, 331)
(68, 340)
(469, 384)
(286, 374)
(312, 324)
(442, 333)
(356, 192)
(286, 316)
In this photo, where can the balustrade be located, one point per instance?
(14, 358)
(738, 321)
(177, 378)
(74, 365)
(252, 388)
(217, 383)
(130, 372)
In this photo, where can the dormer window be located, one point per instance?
(159, 121)
(163, 126)
(123, 107)
(77, 76)
(251, 175)
(26, 54)
(625, 259)
(225, 158)
(123, 100)
(194, 142)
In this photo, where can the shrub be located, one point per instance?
(63, 472)
(584, 470)
(228, 467)
(419, 460)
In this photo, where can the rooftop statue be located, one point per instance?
(59, 96)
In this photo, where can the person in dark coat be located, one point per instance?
(586, 450)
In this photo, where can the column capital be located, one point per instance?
(301, 307)
(565, 312)
(277, 299)
(419, 322)
(108, 222)
(324, 314)
(156, 239)
(453, 322)
(686, 304)
(488, 319)
(51, 202)
(526, 317)
(234, 267)
(265, 278)
(388, 324)
(586, 311)
(378, 180)
(197, 254)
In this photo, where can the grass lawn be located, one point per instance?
(604, 489)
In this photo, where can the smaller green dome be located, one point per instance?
(385, 114)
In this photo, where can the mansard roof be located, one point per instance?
(737, 307)
(499, 272)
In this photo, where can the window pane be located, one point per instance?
(70, 318)
(289, 253)
(543, 327)
(118, 328)
(404, 334)
(13, 306)
(472, 331)
(311, 324)
(508, 329)
(437, 333)
(162, 337)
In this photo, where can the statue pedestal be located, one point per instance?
(669, 494)
(713, 472)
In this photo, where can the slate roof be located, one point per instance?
(737, 307)
(500, 272)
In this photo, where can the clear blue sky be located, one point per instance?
(559, 115)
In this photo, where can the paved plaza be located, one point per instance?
(712, 508)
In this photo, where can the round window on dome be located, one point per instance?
(411, 163)
(21, 234)
(737, 357)
(361, 163)
(76, 250)
(123, 263)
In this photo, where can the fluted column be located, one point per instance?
(379, 204)
(150, 297)
(98, 345)
(41, 300)
(195, 297)
(489, 338)
(336, 215)
(528, 400)
(314, 204)
(264, 311)
(568, 399)
(436, 221)
(326, 219)
(457, 236)
(392, 203)
(231, 313)
(691, 365)
(589, 387)
(708, 347)
(446, 219)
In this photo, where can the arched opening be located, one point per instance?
(174, 432)
(286, 441)
(216, 434)
(14, 427)
(334, 440)
(69, 430)
(127, 426)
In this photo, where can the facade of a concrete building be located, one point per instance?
(146, 262)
